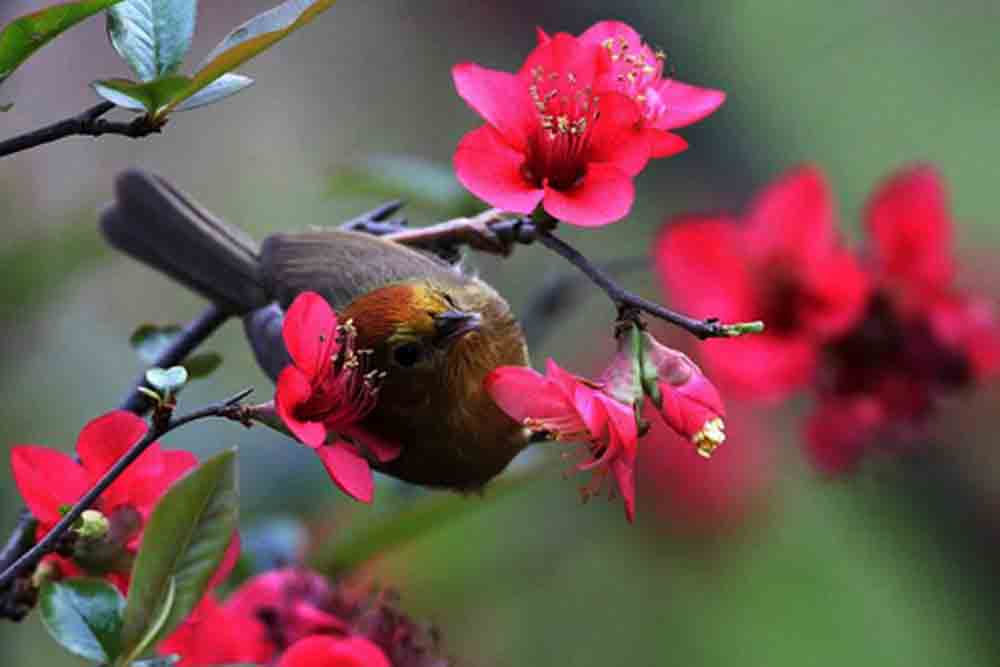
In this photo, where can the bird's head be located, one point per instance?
(435, 344)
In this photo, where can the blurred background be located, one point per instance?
(750, 559)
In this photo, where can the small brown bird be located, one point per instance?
(435, 331)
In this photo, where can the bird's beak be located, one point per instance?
(452, 325)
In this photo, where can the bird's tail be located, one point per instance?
(160, 226)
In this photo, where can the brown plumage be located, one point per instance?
(435, 331)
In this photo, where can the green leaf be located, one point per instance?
(168, 380)
(184, 542)
(249, 39)
(221, 88)
(152, 632)
(202, 365)
(152, 36)
(20, 38)
(84, 615)
(151, 97)
(152, 340)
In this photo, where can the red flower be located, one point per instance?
(326, 391)
(50, 481)
(322, 651)
(571, 409)
(920, 336)
(602, 414)
(216, 635)
(550, 138)
(782, 263)
(631, 67)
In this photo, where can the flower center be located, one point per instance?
(567, 113)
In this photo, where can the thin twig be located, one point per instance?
(87, 124)
(47, 543)
(191, 336)
(626, 300)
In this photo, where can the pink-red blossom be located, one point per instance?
(550, 138)
(603, 414)
(321, 651)
(630, 66)
(50, 482)
(781, 262)
(326, 391)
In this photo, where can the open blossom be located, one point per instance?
(782, 262)
(325, 392)
(550, 138)
(602, 414)
(51, 481)
(920, 336)
(632, 67)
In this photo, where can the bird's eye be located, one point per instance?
(408, 354)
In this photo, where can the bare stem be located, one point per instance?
(88, 124)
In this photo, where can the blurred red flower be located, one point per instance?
(783, 262)
(323, 651)
(920, 336)
(326, 391)
(550, 138)
(295, 617)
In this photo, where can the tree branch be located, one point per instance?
(629, 301)
(31, 557)
(88, 124)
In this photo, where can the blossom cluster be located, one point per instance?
(296, 618)
(577, 122)
(876, 335)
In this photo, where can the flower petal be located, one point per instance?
(383, 450)
(105, 439)
(348, 470)
(326, 651)
(686, 104)
(664, 144)
(603, 196)
(909, 221)
(624, 472)
(47, 480)
(702, 264)
(501, 98)
(491, 170)
(763, 367)
(793, 218)
(293, 389)
(574, 63)
(525, 393)
(310, 333)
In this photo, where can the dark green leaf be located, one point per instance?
(249, 39)
(23, 36)
(84, 615)
(151, 97)
(168, 380)
(203, 365)
(152, 36)
(184, 542)
(6, 107)
(151, 340)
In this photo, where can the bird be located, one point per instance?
(434, 330)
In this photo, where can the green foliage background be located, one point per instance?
(895, 567)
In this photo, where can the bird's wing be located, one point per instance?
(342, 265)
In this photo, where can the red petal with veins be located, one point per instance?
(604, 196)
(293, 389)
(491, 169)
(348, 470)
(310, 334)
(501, 98)
(47, 480)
